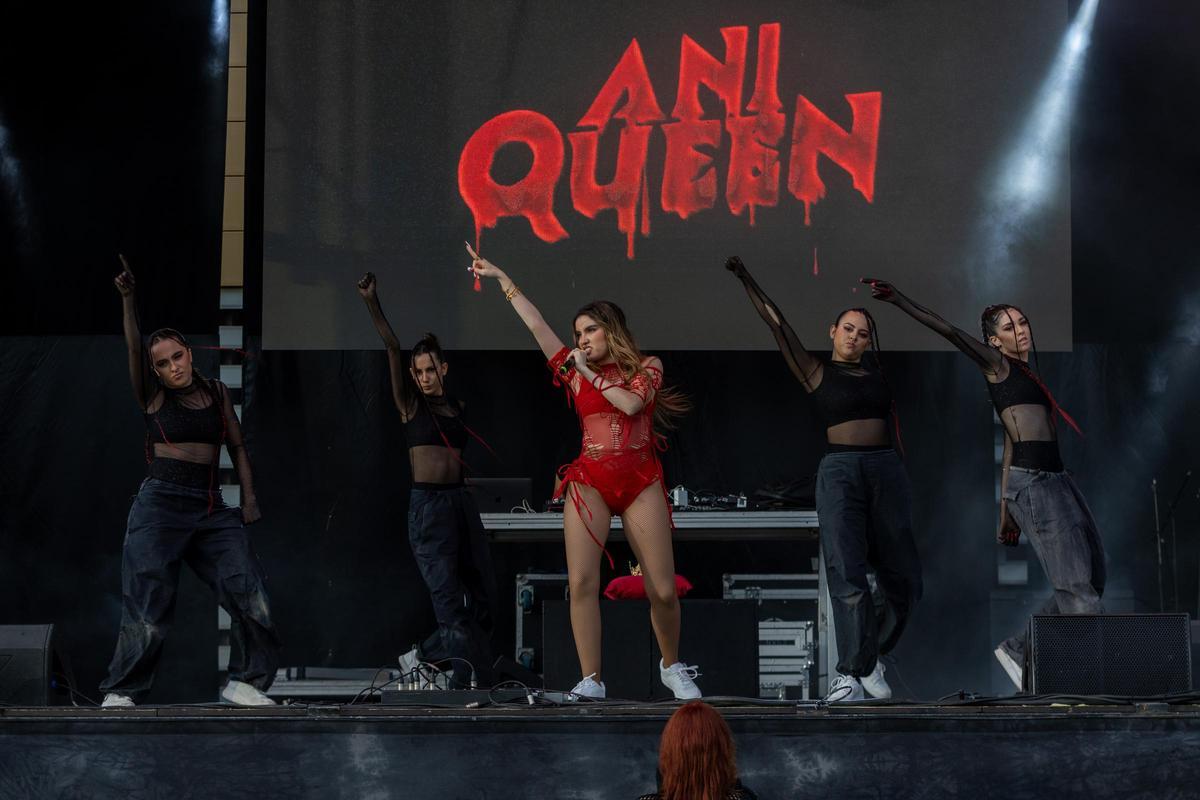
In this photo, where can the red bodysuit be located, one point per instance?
(619, 458)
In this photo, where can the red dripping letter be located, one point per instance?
(697, 66)
(629, 76)
(629, 79)
(755, 140)
(531, 197)
(689, 181)
(813, 133)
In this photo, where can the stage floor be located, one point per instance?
(601, 750)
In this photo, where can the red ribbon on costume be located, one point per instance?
(1049, 396)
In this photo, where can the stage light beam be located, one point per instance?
(1034, 166)
(12, 183)
(219, 36)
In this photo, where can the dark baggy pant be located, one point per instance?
(452, 554)
(864, 510)
(170, 524)
(1051, 511)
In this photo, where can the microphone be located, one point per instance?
(566, 366)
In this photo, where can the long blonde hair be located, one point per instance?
(669, 403)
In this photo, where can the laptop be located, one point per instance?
(500, 495)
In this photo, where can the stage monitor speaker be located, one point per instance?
(1195, 654)
(26, 660)
(719, 636)
(1129, 655)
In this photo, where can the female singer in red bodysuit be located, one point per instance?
(618, 395)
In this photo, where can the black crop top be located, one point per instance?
(182, 418)
(190, 416)
(422, 428)
(1034, 443)
(849, 392)
(1017, 389)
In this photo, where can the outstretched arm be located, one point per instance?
(133, 337)
(989, 360)
(237, 453)
(404, 393)
(526, 310)
(802, 363)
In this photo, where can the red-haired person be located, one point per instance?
(1037, 495)
(697, 759)
(178, 515)
(619, 397)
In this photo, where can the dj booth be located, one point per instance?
(711, 526)
(778, 618)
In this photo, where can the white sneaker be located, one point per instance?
(243, 694)
(874, 683)
(588, 689)
(409, 661)
(680, 679)
(845, 689)
(114, 700)
(1015, 671)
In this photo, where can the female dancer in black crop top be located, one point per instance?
(1038, 496)
(178, 515)
(444, 529)
(863, 495)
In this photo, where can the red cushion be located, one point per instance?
(632, 587)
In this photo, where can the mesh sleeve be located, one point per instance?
(802, 363)
(987, 358)
(646, 382)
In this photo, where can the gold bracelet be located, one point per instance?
(511, 293)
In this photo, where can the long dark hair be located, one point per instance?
(875, 351)
(669, 403)
(989, 324)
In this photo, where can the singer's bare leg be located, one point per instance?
(648, 528)
(583, 571)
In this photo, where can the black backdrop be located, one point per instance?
(324, 439)
(369, 108)
(114, 141)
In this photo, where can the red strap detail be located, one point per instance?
(446, 442)
(212, 471)
(481, 440)
(662, 482)
(238, 350)
(1068, 418)
(577, 500)
(896, 421)
(1049, 396)
(160, 430)
(555, 364)
(450, 447)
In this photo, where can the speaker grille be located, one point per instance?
(1136, 655)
